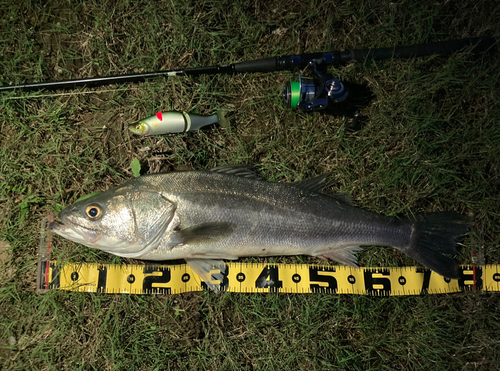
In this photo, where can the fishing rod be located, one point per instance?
(306, 94)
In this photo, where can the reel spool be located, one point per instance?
(313, 94)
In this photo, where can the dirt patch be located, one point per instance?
(6, 269)
(187, 315)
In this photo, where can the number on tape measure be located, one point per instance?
(269, 278)
(466, 280)
(322, 281)
(156, 280)
(102, 278)
(375, 283)
(426, 281)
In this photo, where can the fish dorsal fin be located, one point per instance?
(318, 184)
(315, 184)
(340, 197)
(206, 232)
(203, 268)
(244, 171)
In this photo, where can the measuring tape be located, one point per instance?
(263, 277)
(255, 277)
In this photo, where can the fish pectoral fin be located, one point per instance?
(206, 232)
(344, 254)
(211, 271)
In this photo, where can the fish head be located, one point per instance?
(124, 221)
(140, 127)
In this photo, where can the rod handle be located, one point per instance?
(259, 65)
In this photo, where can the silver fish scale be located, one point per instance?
(269, 218)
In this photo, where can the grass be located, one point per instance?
(431, 143)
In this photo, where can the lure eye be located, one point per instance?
(93, 211)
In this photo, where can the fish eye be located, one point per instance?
(138, 127)
(93, 211)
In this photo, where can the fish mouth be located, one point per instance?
(58, 227)
(90, 238)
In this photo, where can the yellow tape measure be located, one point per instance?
(255, 277)
(262, 277)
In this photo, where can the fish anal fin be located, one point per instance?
(206, 232)
(211, 271)
(344, 254)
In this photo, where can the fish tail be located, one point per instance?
(222, 119)
(433, 237)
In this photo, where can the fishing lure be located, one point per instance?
(176, 122)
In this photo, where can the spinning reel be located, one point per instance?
(316, 93)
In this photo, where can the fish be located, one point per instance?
(228, 212)
(176, 122)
